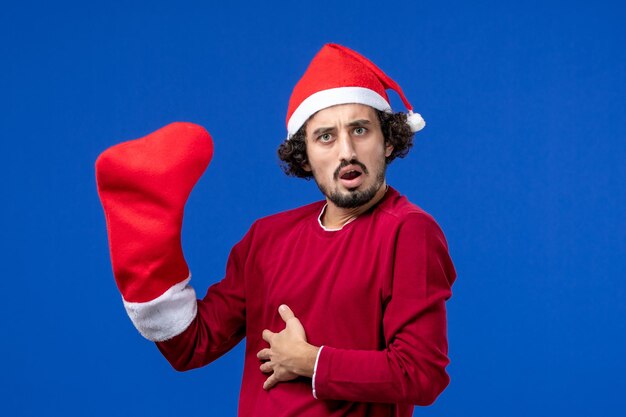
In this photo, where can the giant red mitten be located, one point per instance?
(143, 185)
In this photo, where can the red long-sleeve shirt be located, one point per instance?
(373, 294)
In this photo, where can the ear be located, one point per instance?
(306, 166)
(388, 149)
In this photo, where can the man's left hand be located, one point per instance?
(289, 354)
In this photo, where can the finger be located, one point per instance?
(267, 335)
(295, 327)
(266, 367)
(270, 382)
(285, 313)
(264, 354)
(294, 324)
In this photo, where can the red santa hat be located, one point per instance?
(338, 75)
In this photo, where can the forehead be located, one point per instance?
(342, 113)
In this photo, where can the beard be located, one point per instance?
(353, 197)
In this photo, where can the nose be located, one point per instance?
(346, 147)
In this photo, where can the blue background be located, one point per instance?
(522, 164)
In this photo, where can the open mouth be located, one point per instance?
(350, 175)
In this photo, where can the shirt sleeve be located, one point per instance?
(411, 368)
(220, 321)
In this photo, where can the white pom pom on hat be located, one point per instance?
(415, 121)
(339, 75)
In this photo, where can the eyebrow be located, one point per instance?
(355, 123)
(360, 122)
(322, 130)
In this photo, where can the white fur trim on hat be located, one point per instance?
(331, 97)
(167, 315)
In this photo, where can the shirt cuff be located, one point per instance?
(315, 370)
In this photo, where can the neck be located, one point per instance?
(336, 217)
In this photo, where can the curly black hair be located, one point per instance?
(396, 131)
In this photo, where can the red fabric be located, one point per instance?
(333, 67)
(143, 186)
(372, 293)
(337, 66)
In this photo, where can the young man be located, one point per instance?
(342, 302)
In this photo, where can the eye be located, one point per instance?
(360, 131)
(326, 137)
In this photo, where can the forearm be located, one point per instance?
(220, 320)
(387, 376)
(411, 369)
(200, 344)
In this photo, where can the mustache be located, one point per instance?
(345, 163)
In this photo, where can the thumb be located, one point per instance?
(285, 313)
(292, 322)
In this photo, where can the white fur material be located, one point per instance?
(167, 315)
(415, 121)
(332, 97)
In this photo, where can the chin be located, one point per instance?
(353, 198)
